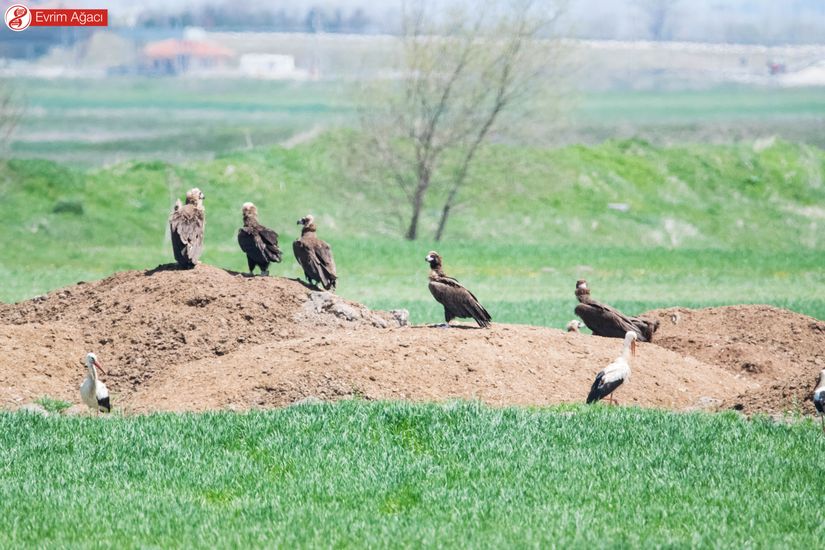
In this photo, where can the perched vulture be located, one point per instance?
(819, 398)
(186, 224)
(258, 242)
(457, 300)
(93, 391)
(615, 374)
(607, 321)
(314, 256)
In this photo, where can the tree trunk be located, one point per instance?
(445, 213)
(417, 204)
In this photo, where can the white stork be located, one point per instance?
(616, 372)
(93, 391)
(574, 325)
(819, 398)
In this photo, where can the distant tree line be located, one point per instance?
(234, 17)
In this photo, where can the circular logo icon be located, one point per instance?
(18, 17)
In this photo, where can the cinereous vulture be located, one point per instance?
(605, 320)
(314, 256)
(258, 242)
(186, 224)
(457, 300)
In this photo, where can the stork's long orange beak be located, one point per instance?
(633, 348)
(99, 367)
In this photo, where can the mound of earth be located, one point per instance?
(211, 339)
(140, 322)
(780, 352)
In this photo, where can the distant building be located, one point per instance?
(270, 66)
(174, 57)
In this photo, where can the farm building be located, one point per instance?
(173, 57)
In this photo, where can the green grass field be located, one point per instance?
(100, 122)
(376, 475)
(706, 225)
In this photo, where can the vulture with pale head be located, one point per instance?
(258, 242)
(186, 224)
(604, 320)
(457, 300)
(314, 256)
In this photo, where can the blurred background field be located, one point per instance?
(679, 165)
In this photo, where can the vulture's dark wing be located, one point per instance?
(269, 240)
(186, 226)
(326, 264)
(260, 244)
(604, 320)
(458, 301)
(301, 252)
(601, 389)
(306, 252)
(645, 328)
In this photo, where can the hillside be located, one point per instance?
(535, 221)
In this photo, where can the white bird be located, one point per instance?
(819, 398)
(574, 325)
(616, 373)
(93, 391)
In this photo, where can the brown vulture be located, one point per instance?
(457, 300)
(258, 242)
(186, 224)
(314, 256)
(607, 321)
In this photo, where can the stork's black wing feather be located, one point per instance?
(104, 404)
(601, 389)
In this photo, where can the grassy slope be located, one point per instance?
(706, 225)
(357, 474)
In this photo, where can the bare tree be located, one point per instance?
(659, 13)
(460, 70)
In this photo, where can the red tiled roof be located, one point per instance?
(164, 49)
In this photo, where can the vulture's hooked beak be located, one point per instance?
(99, 367)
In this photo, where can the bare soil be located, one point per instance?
(780, 352)
(208, 339)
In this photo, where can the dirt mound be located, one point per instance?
(141, 321)
(505, 365)
(779, 351)
(212, 339)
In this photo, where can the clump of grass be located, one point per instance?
(66, 206)
(53, 406)
(363, 474)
